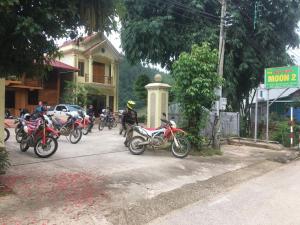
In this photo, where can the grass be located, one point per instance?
(206, 152)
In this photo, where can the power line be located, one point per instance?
(177, 6)
(194, 9)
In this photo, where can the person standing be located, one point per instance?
(129, 118)
(91, 113)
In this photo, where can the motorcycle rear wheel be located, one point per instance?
(134, 146)
(45, 151)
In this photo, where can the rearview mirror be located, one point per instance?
(64, 110)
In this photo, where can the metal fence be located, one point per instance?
(230, 122)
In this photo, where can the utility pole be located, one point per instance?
(216, 140)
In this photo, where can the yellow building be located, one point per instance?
(98, 64)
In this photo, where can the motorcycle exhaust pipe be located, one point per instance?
(143, 143)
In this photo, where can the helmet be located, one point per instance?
(26, 116)
(130, 104)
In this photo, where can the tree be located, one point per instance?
(139, 87)
(128, 74)
(28, 29)
(158, 31)
(75, 93)
(195, 82)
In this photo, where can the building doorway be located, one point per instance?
(98, 102)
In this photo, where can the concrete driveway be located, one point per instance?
(98, 181)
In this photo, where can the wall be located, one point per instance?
(68, 59)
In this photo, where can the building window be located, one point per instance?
(81, 69)
(33, 97)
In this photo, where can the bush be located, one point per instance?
(4, 162)
(142, 119)
(280, 131)
(195, 80)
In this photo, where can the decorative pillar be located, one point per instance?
(158, 99)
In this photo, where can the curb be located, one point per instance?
(258, 144)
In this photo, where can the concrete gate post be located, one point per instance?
(158, 99)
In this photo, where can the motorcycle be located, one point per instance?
(106, 120)
(156, 138)
(71, 128)
(40, 136)
(86, 123)
(19, 129)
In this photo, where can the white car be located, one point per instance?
(62, 110)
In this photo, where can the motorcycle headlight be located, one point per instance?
(25, 129)
(173, 123)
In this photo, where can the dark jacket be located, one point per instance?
(90, 112)
(129, 116)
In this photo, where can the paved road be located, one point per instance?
(272, 199)
(98, 181)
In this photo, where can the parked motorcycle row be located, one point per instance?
(42, 133)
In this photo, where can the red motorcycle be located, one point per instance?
(85, 122)
(155, 138)
(40, 135)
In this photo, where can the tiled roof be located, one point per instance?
(63, 66)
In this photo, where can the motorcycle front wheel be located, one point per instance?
(24, 146)
(183, 148)
(75, 135)
(110, 125)
(134, 146)
(19, 135)
(85, 130)
(47, 149)
(101, 125)
(6, 134)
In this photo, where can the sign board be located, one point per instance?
(282, 77)
(223, 103)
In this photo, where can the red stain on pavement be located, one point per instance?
(69, 191)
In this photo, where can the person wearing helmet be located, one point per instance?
(129, 118)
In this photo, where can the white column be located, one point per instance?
(113, 75)
(90, 71)
(107, 100)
